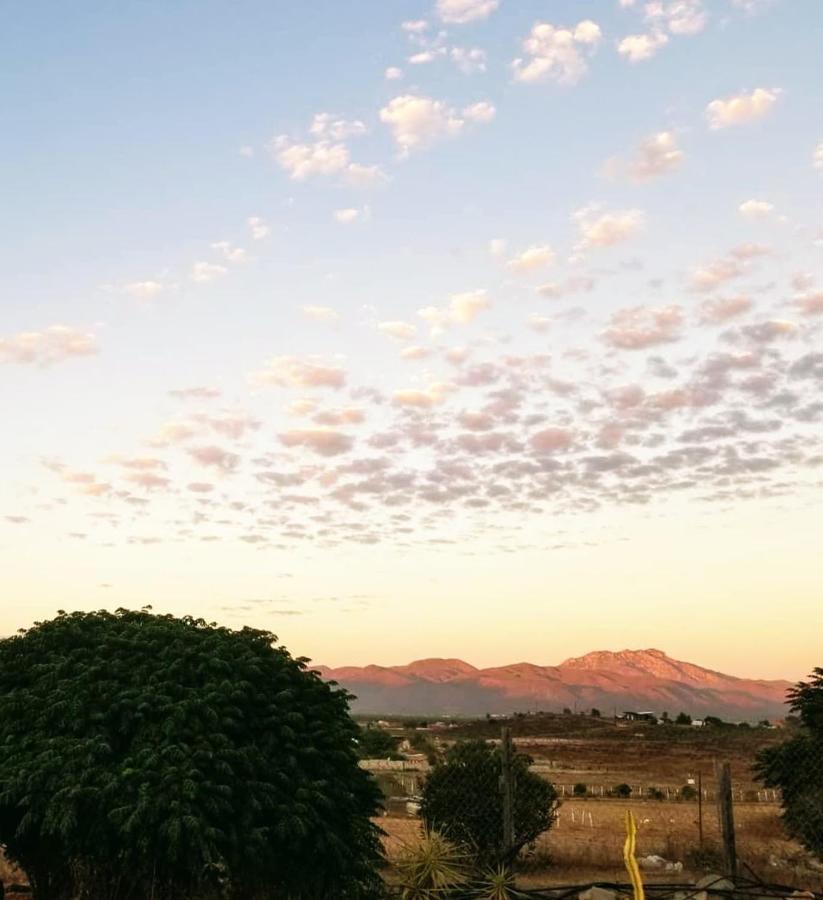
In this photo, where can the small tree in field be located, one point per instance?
(683, 719)
(622, 790)
(149, 756)
(796, 766)
(580, 789)
(462, 799)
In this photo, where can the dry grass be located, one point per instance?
(587, 842)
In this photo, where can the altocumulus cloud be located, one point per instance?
(55, 344)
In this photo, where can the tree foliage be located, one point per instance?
(463, 800)
(375, 743)
(150, 756)
(796, 766)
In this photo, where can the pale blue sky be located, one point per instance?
(646, 378)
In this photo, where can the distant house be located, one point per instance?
(642, 716)
(698, 723)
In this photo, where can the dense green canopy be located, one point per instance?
(150, 756)
(462, 799)
(796, 766)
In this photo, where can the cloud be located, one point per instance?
(468, 59)
(462, 308)
(742, 108)
(640, 47)
(817, 156)
(810, 304)
(639, 327)
(426, 56)
(607, 229)
(230, 252)
(326, 155)
(203, 272)
(755, 209)
(684, 17)
(419, 399)
(401, 331)
(393, 73)
(297, 372)
(352, 214)
(721, 309)
(557, 54)
(656, 155)
(258, 228)
(323, 441)
(215, 457)
(334, 128)
(417, 122)
(306, 160)
(321, 313)
(532, 258)
(539, 323)
(55, 344)
(716, 273)
(550, 440)
(576, 284)
(482, 112)
(459, 12)
(348, 415)
(415, 352)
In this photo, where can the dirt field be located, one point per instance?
(587, 842)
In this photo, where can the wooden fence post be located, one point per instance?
(507, 790)
(700, 808)
(725, 811)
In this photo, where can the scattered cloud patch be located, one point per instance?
(557, 54)
(55, 344)
(640, 327)
(607, 229)
(417, 122)
(460, 12)
(742, 108)
(299, 372)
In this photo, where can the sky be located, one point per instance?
(487, 329)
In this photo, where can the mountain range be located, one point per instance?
(625, 680)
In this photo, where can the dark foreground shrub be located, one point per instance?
(151, 756)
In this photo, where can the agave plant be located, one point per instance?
(497, 884)
(432, 869)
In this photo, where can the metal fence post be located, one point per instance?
(507, 790)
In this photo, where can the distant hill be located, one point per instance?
(629, 679)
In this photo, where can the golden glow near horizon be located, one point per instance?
(495, 335)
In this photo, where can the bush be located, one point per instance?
(688, 792)
(654, 793)
(683, 719)
(795, 767)
(375, 743)
(194, 759)
(622, 790)
(580, 789)
(463, 800)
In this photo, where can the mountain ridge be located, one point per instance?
(604, 679)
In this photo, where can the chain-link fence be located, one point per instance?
(499, 809)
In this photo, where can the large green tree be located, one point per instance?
(462, 798)
(796, 766)
(147, 756)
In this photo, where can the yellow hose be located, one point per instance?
(629, 858)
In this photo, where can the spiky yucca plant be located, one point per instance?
(432, 869)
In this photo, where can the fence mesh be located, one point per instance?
(487, 800)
